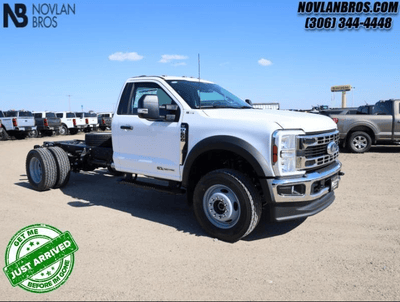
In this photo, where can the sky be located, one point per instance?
(257, 49)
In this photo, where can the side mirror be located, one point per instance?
(148, 107)
(249, 102)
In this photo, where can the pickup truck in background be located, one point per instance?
(69, 123)
(104, 120)
(3, 134)
(196, 138)
(47, 123)
(89, 119)
(358, 132)
(18, 123)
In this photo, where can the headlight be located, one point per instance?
(284, 152)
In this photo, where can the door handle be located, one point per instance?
(127, 127)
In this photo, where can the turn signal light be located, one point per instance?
(274, 153)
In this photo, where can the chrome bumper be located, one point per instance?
(313, 185)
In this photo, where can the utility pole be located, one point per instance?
(69, 102)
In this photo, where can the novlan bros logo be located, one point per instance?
(42, 15)
(19, 11)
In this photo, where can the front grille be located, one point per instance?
(313, 150)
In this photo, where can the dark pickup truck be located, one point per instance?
(358, 132)
(104, 120)
(47, 123)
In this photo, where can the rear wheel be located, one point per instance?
(4, 135)
(41, 169)
(33, 134)
(227, 204)
(359, 142)
(63, 166)
(73, 131)
(63, 130)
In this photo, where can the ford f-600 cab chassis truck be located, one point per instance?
(230, 159)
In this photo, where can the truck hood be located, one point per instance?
(307, 122)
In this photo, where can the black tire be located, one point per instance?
(98, 139)
(63, 166)
(33, 134)
(41, 169)
(227, 192)
(73, 131)
(359, 142)
(102, 128)
(4, 135)
(63, 130)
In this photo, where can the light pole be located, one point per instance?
(69, 102)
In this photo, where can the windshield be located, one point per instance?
(90, 114)
(79, 114)
(50, 114)
(205, 95)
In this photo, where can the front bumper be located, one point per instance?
(304, 196)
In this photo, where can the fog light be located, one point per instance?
(296, 190)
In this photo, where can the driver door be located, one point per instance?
(142, 146)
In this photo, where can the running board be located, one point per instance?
(150, 186)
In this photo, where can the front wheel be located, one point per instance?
(227, 204)
(359, 142)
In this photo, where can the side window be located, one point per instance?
(123, 107)
(38, 115)
(142, 89)
(383, 108)
(60, 115)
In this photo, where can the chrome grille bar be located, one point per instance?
(313, 150)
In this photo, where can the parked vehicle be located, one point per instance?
(104, 120)
(360, 131)
(47, 122)
(229, 158)
(18, 123)
(89, 119)
(3, 133)
(69, 123)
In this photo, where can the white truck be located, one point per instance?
(70, 123)
(89, 119)
(18, 123)
(230, 159)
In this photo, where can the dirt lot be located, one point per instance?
(142, 245)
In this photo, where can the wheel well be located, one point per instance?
(365, 129)
(219, 159)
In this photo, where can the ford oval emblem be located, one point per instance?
(332, 148)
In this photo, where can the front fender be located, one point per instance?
(232, 144)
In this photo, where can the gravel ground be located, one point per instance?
(143, 245)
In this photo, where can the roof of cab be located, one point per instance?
(169, 78)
